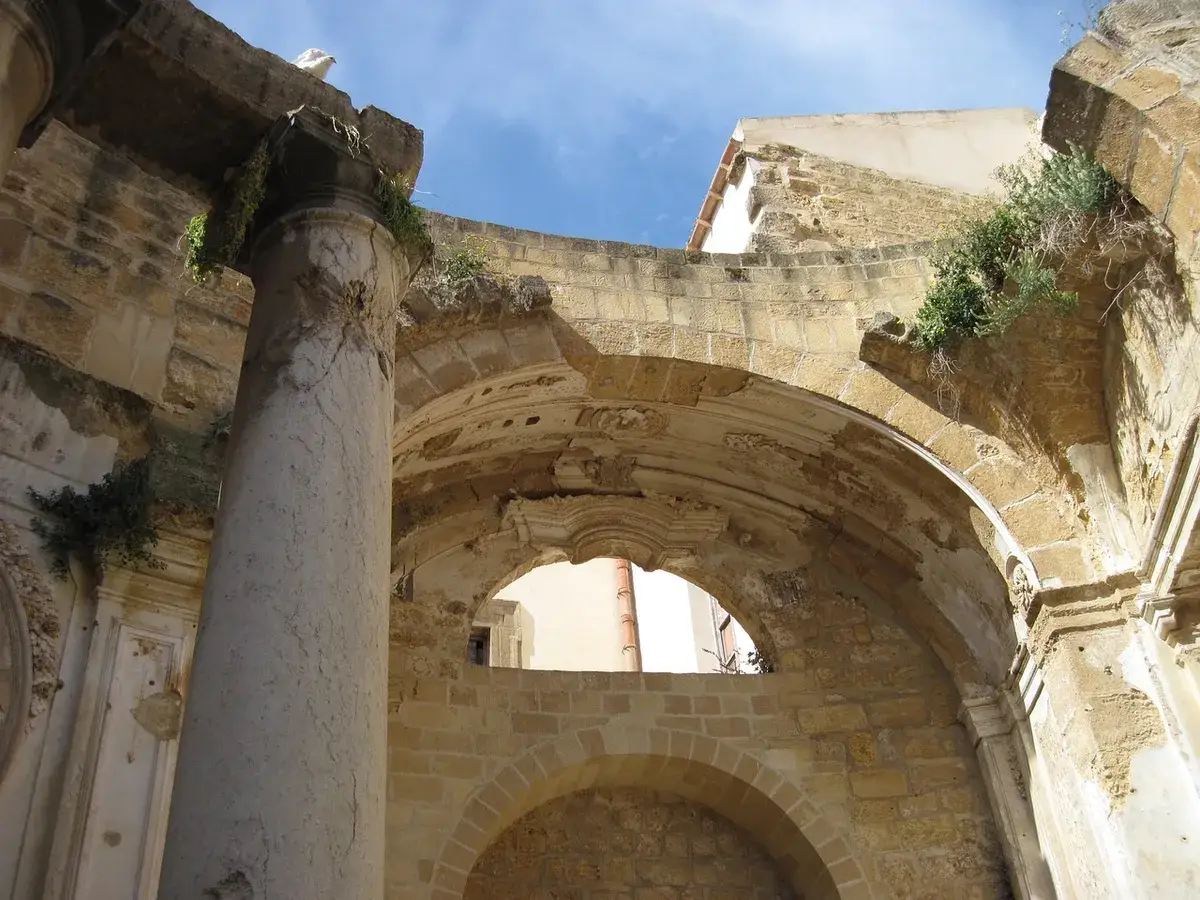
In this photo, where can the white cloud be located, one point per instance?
(578, 72)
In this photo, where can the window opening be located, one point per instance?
(479, 647)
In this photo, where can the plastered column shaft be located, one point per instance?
(26, 74)
(282, 772)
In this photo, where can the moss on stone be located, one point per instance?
(403, 218)
(214, 239)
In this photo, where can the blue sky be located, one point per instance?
(606, 118)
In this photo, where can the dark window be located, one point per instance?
(478, 646)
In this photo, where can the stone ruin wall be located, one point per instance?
(885, 761)
(1133, 99)
(90, 275)
(618, 844)
(812, 202)
(862, 720)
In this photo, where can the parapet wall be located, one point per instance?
(91, 273)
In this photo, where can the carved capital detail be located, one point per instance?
(650, 533)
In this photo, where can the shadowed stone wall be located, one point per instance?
(622, 844)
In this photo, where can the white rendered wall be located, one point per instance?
(731, 226)
(959, 149)
(569, 619)
(668, 623)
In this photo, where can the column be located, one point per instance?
(990, 728)
(26, 70)
(281, 780)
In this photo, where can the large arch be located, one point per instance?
(800, 484)
(768, 805)
(794, 319)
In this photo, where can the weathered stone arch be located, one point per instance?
(798, 477)
(744, 788)
(667, 363)
(460, 562)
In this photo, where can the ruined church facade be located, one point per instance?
(977, 588)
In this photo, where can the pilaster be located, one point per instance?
(990, 725)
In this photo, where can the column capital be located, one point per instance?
(70, 34)
(1082, 608)
(315, 162)
(984, 718)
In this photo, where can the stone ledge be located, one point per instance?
(447, 226)
(205, 98)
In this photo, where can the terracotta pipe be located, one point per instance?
(631, 644)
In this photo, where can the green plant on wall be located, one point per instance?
(404, 219)
(215, 238)
(467, 262)
(111, 522)
(991, 271)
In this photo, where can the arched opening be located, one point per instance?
(871, 577)
(765, 830)
(610, 615)
(626, 842)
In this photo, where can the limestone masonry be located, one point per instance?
(979, 586)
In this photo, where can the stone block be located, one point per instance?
(68, 272)
(822, 375)
(1002, 482)
(487, 350)
(217, 341)
(14, 238)
(1145, 86)
(57, 326)
(194, 385)
(1153, 172)
(898, 713)
(957, 446)
(1037, 522)
(1183, 215)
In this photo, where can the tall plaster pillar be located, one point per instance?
(281, 781)
(26, 70)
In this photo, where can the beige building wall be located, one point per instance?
(565, 617)
(820, 182)
(959, 149)
(569, 619)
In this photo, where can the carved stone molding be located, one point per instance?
(990, 724)
(1021, 589)
(638, 421)
(30, 592)
(650, 533)
(1171, 561)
